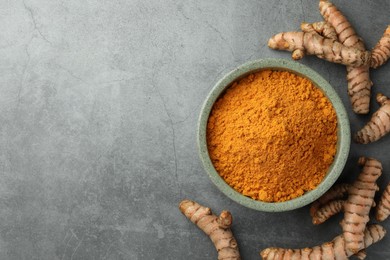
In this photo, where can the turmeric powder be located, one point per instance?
(272, 135)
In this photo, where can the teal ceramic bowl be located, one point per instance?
(343, 131)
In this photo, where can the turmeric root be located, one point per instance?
(383, 210)
(336, 192)
(379, 125)
(359, 83)
(336, 249)
(359, 88)
(329, 204)
(217, 228)
(358, 204)
(362, 254)
(314, 44)
(326, 211)
(381, 52)
(322, 28)
(345, 32)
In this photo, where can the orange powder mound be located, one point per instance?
(272, 136)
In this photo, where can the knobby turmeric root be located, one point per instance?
(379, 125)
(359, 83)
(336, 249)
(356, 234)
(359, 88)
(314, 44)
(322, 28)
(345, 32)
(326, 211)
(362, 254)
(359, 203)
(217, 228)
(336, 31)
(381, 52)
(336, 192)
(383, 210)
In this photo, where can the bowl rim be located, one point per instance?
(343, 133)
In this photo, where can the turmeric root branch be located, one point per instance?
(359, 88)
(383, 209)
(345, 32)
(359, 203)
(336, 192)
(359, 83)
(217, 228)
(322, 28)
(381, 52)
(362, 254)
(336, 249)
(379, 125)
(314, 44)
(326, 211)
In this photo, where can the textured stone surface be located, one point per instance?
(99, 103)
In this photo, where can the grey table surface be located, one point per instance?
(99, 103)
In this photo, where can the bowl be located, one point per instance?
(343, 134)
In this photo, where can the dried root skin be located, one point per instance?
(336, 192)
(359, 88)
(314, 44)
(362, 254)
(217, 228)
(322, 28)
(308, 28)
(328, 250)
(225, 219)
(345, 32)
(328, 210)
(297, 54)
(381, 52)
(378, 126)
(358, 204)
(382, 212)
(359, 83)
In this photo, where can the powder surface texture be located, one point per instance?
(272, 136)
